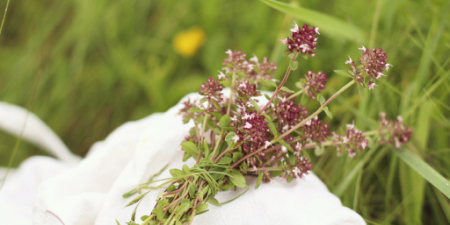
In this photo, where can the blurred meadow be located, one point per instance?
(103, 63)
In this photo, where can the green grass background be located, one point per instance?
(103, 63)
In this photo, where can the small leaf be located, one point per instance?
(224, 160)
(224, 121)
(201, 207)
(225, 83)
(299, 84)
(237, 156)
(176, 172)
(272, 128)
(164, 202)
(286, 53)
(230, 136)
(318, 151)
(186, 169)
(119, 223)
(288, 147)
(254, 104)
(269, 83)
(192, 190)
(291, 56)
(327, 111)
(189, 147)
(286, 89)
(137, 199)
(321, 99)
(258, 181)
(186, 157)
(289, 179)
(182, 208)
(343, 73)
(159, 212)
(237, 178)
(214, 201)
(304, 99)
(195, 110)
(206, 148)
(293, 65)
(178, 223)
(267, 97)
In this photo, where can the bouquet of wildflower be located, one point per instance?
(235, 136)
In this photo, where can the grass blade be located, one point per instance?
(425, 171)
(327, 24)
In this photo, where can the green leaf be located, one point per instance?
(327, 111)
(286, 89)
(192, 190)
(137, 199)
(186, 169)
(159, 212)
(117, 222)
(224, 160)
(225, 83)
(225, 121)
(186, 157)
(425, 170)
(321, 99)
(164, 202)
(214, 201)
(237, 178)
(272, 128)
(343, 73)
(178, 223)
(189, 147)
(328, 24)
(254, 104)
(286, 53)
(195, 110)
(293, 65)
(288, 147)
(201, 207)
(304, 99)
(237, 156)
(299, 84)
(230, 136)
(269, 82)
(206, 148)
(176, 172)
(318, 151)
(182, 208)
(258, 181)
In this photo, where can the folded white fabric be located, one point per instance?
(91, 192)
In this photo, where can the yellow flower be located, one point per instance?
(186, 43)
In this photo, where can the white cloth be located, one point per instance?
(91, 192)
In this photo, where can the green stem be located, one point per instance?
(147, 220)
(286, 75)
(295, 95)
(230, 100)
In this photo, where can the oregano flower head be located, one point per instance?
(315, 83)
(369, 67)
(303, 40)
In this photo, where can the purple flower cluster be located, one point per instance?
(288, 114)
(212, 90)
(253, 69)
(303, 40)
(393, 132)
(370, 66)
(315, 83)
(315, 131)
(353, 141)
